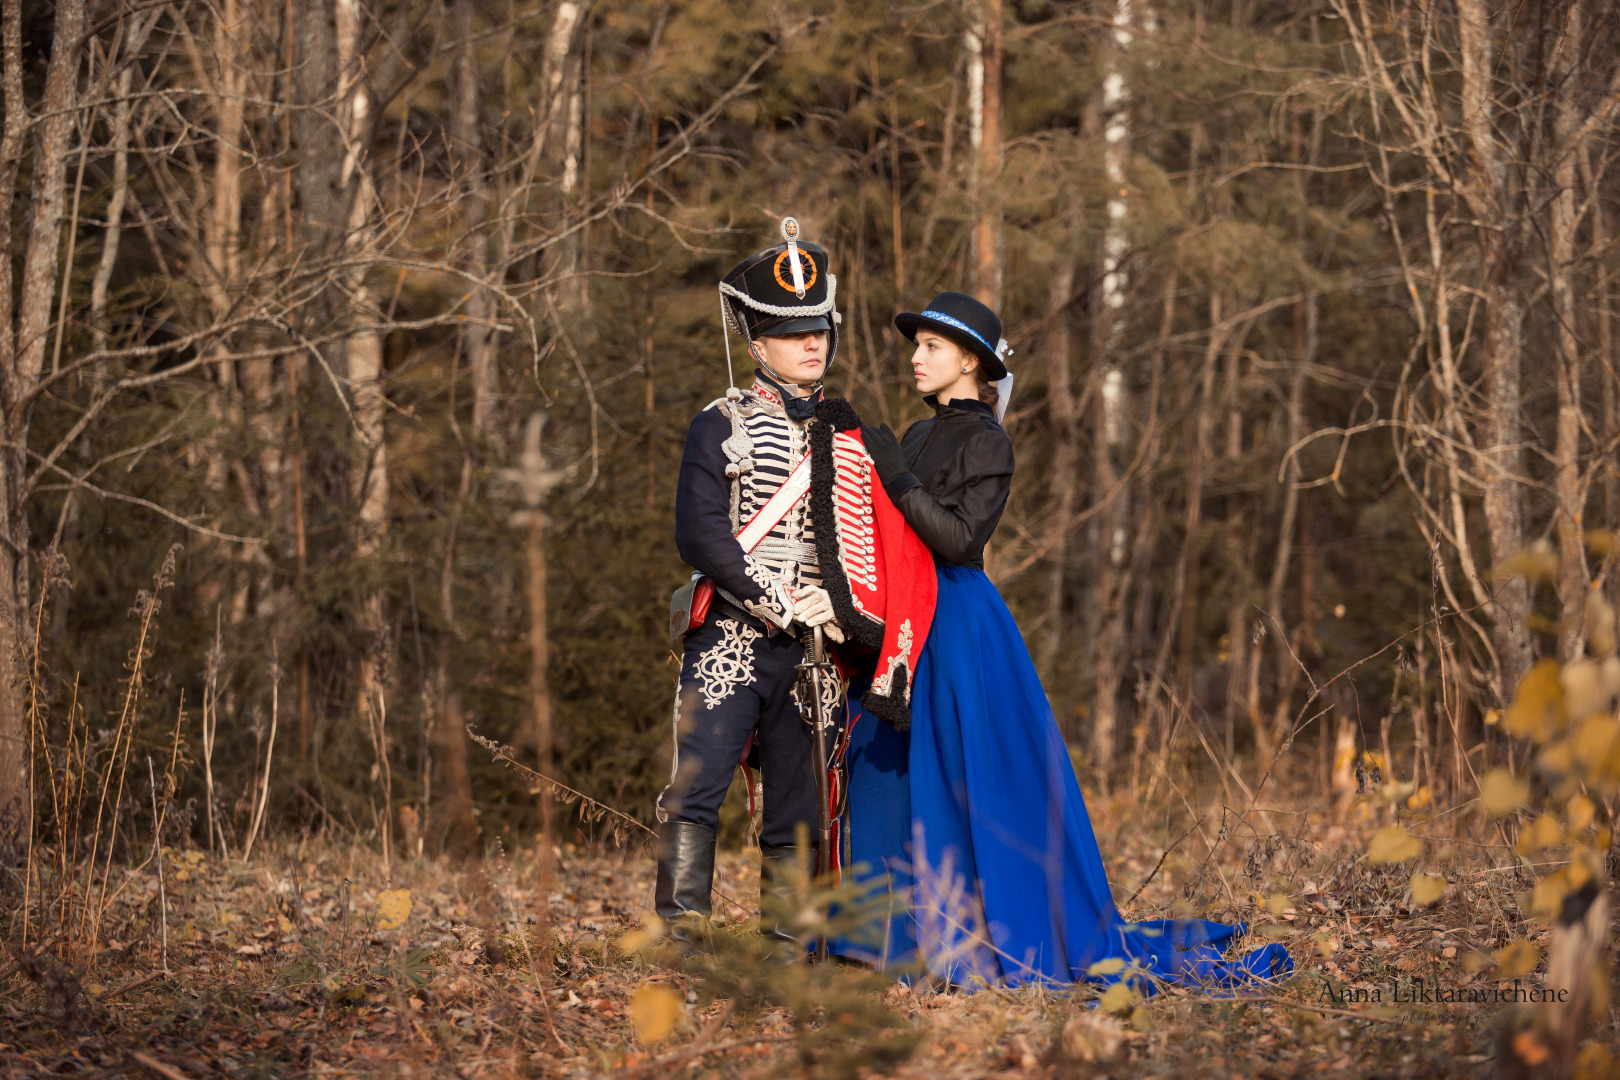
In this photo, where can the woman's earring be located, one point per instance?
(964, 369)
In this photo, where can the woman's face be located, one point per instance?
(938, 366)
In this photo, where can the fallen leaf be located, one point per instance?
(1537, 710)
(1516, 958)
(1530, 1049)
(1427, 889)
(652, 929)
(1117, 999)
(1393, 844)
(1580, 812)
(654, 1009)
(393, 908)
(1500, 792)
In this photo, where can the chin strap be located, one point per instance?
(725, 334)
(759, 358)
(800, 408)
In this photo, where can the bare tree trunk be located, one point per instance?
(1240, 576)
(560, 76)
(572, 187)
(1493, 202)
(459, 825)
(536, 482)
(1607, 370)
(245, 393)
(1063, 486)
(1114, 400)
(1568, 487)
(1200, 432)
(1305, 336)
(123, 110)
(476, 345)
(317, 138)
(984, 43)
(455, 798)
(24, 354)
(364, 354)
(897, 226)
(1306, 318)
(223, 228)
(1153, 681)
(1113, 571)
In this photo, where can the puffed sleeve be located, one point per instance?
(957, 526)
(703, 533)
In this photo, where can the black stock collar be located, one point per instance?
(799, 409)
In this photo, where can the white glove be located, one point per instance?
(813, 607)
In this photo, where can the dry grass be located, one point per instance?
(291, 965)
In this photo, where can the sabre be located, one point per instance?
(813, 675)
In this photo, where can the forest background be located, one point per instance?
(1312, 306)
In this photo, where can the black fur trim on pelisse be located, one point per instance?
(839, 413)
(895, 706)
(834, 415)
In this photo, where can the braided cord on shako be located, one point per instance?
(823, 308)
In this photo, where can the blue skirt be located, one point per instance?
(975, 824)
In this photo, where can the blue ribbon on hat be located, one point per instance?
(941, 317)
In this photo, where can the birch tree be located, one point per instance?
(25, 330)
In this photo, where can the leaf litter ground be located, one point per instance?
(313, 961)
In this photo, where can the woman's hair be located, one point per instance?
(982, 383)
(986, 387)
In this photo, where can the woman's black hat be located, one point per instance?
(965, 321)
(787, 288)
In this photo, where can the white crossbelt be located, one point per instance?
(777, 506)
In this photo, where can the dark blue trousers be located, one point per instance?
(737, 680)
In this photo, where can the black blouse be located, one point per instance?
(961, 465)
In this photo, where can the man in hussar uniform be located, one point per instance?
(743, 521)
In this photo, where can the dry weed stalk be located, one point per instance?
(620, 825)
(210, 724)
(146, 608)
(54, 572)
(80, 770)
(377, 724)
(269, 753)
(157, 854)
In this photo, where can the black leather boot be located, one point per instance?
(685, 879)
(778, 871)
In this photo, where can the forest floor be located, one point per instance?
(311, 961)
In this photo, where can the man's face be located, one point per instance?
(798, 358)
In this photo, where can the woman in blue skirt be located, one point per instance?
(974, 815)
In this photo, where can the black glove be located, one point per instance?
(885, 451)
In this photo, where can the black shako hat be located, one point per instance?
(965, 321)
(788, 288)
